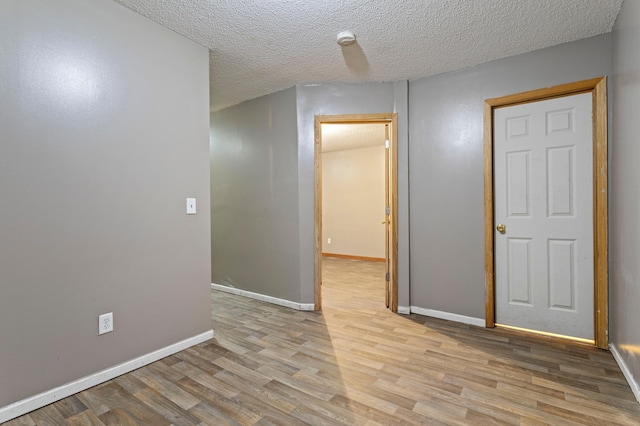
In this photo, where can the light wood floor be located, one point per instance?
(355, 363)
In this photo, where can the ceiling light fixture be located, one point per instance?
(346, 38)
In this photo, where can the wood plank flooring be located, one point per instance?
(357, 364)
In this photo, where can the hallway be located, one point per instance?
(352, 284)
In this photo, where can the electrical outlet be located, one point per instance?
(328, 240)
(105, 323)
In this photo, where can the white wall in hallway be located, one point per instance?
(353, 200)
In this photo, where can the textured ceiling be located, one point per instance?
(262, 46)
(340, 137)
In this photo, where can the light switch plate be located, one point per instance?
(191, 206)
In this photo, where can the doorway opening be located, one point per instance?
(597, 88)
(387, 123)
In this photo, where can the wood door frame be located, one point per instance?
(385, 118)
(598, 88)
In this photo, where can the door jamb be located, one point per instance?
(598, 88)
(385, 118)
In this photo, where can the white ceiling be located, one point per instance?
(262, 46)
(340, 137)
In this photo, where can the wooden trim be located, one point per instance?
(546, 93)
(601, 214)
(393, 134)
(317, 214)
(489, 265)
(383, 118)
(598, 88)
(358, 118)
(353, 257)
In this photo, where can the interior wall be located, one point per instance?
(353, 201)
(103, 122)
(446, 169)
(337, 99)
(254, 196)
(624, 195)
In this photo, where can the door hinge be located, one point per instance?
(387, 144)
(387, 210)
(387, 277)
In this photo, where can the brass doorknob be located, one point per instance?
(501, 228)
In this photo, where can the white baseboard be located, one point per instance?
(635, 387)
(264, 298)
(404, 310)
(448, 316)
(27, 405)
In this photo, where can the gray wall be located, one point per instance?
(349, 99)
(442, 117)
(624, 194)
(446, 165)
(254, 196)
(103, 134)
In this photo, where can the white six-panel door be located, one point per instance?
(543, 166)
